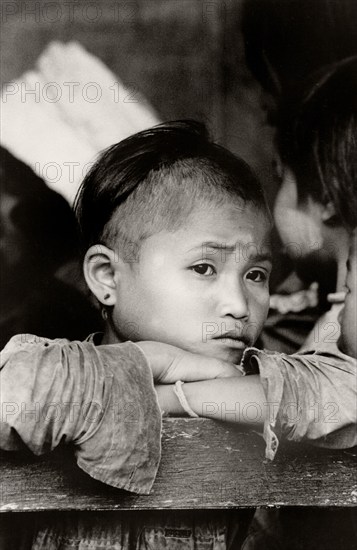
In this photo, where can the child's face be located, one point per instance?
(192, 286)
(348, 316)
(298, 225)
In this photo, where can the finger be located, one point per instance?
(191, 367)
(169, 364)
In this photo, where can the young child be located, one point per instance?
(150, 212)
(176, 237)
(315, 212)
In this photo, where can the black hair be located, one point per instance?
(317, 138)
(150, 181)
(285, 40)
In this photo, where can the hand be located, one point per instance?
(169, 364)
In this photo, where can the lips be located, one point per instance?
(232, 343)
(232, 339)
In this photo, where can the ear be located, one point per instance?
(328, 214)
(100, 269)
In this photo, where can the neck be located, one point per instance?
(110, 336)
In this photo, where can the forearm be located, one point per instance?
(100, 399)
(53, 391)
(312, 397)
(240, 400)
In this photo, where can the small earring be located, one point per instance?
(106, 296)
(104, 314)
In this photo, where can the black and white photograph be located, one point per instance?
(178, 275)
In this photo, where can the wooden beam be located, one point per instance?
(205, 464)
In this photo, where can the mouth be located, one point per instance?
(231, 340)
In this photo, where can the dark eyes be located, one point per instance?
(203, 269)
(207, 270)
(257, 275)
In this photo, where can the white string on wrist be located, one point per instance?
(178, 391)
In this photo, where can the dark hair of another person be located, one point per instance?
(285, 40)
(153, 180)
(317, 138)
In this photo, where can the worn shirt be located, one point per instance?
(99, 398)
(102, 399)
(310, 397)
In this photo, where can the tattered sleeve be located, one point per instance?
(309, 397)
(99, 398)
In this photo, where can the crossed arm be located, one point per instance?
(102, 399)
(309, 397)
(238, 399)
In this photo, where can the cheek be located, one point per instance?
(163, 301)
(299, 232)
(264, 307)
(259, 308)
(282, 220)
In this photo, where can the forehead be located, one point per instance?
(228, 226)
(231, 216)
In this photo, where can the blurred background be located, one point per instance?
(79, 75)
(186, 57)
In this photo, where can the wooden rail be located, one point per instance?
(205, 464)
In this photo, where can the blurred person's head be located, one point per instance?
(175, 231)
(285, 41)
(316, 206)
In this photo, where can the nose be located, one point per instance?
(233, 300)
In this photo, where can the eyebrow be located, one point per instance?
(260, 257)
